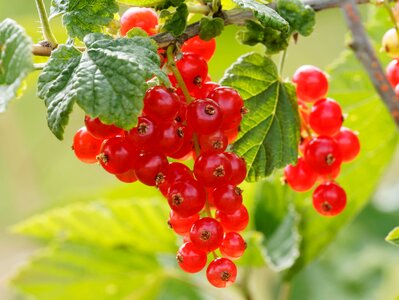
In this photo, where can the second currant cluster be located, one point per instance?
(325, 144)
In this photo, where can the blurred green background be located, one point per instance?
(38, 172)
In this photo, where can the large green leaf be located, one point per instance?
(393, 237)
(107, 81)
(15, 60)
(269, 133)
(139, 224)
(82, 17)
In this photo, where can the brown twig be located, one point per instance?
(235, 16)
(366, 55)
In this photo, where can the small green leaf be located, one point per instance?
(269, 133)
(143, 3)
(82, 17)
(301, 17)
(252, 34)
(107, 81)
(267, 16)
(15, 60)
(276, 218)
(136, 31)
(176, 22)
(393, 237)
(210, 28)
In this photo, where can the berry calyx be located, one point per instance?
(190, 258)
(221, 272)
(329, 199)
(206, 234)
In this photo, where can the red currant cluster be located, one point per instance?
(206, 203)
(325, 144)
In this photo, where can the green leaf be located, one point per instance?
(176, 23)
(138, 224)
(393, 237)
(15, 60)
(252, 34)
(136, 31)
(210, 28)
(267, 16)
(269, 133)
(275, 216)
(82, 17)
(301, 17)
(107, 81)
(143, 3)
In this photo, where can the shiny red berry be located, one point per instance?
(171, 137)
(190, 258)
(213, 142)
(100, 130)
(326, 117)
(392, 71)
(311, 83)
(227, 198)
(141, 17)
(205, 49)
(221, 272)
(181, 225)
(161, 104)
(176, 172)
(127, 177)
(238, 168)
(212, 169)
(349, 144)
(329, 199)
(206, 88)
(236, 221)
(193, 68)
(204, 116)
(151, 168)
(206, 234)
(145, 135)
(86, 146)
(233, 245)
(300, 177)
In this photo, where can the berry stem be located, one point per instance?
(392, 16)
(198, 9)
(46, 28)
(172, 66)
(282, 62)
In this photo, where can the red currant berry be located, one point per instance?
(141, 17)
(193, 68)
(236, 221)
(329, 199)
(118, 155)
(151, 168)
(171, 137)
(206, 234)
(300, 177)
(331, 176)
(212, 169)
(205, 49)
(206, 89)
(99, 130)
(144, 136)
(214, 142)
(349, 144)
(231, 106)
(311, 83)
(227, 198)
(191, 259)
(181, 225)
(326, 117)
(128, 176)
(86, 146)
(181, 116)
(392, 71)
(176, 172)
(186, 198)
(231, 134)
(233, 245)
(323, 155)
(238, 168)
(161, 104)
(204, 116)
(221, 272)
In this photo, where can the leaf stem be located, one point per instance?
(282, 62)
(46, 28)
(198, 9)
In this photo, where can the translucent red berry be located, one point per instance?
(99, 130)
(392, 71)
(233, 245)
(205, 90)
(311, 83)
(323, 155)
(127, 177)
(151, 168)
(349, 144)
(204, 116)
(141, 17)
(171, 137)
(187, 197)
(213, 142)
(326, 117)
(193, 68)
(86, 146)
(236, 221)
(176, 172)
(329, 199)
(206, 234)
(161, 104)
(212, 169)
(300, 177)
(181, 225)
(238, 168)
(221, 272)
(190, 258)
(205, 49)
(144, 136)
(227, 198)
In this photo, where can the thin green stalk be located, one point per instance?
(47, 33)
(392, 16)
(282, 62)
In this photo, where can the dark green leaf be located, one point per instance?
(210, 28)
(107, 81)
(269, 133)
(176, 23)
(301, 17)
(15, 60)
(393, 237)
(82, 17)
